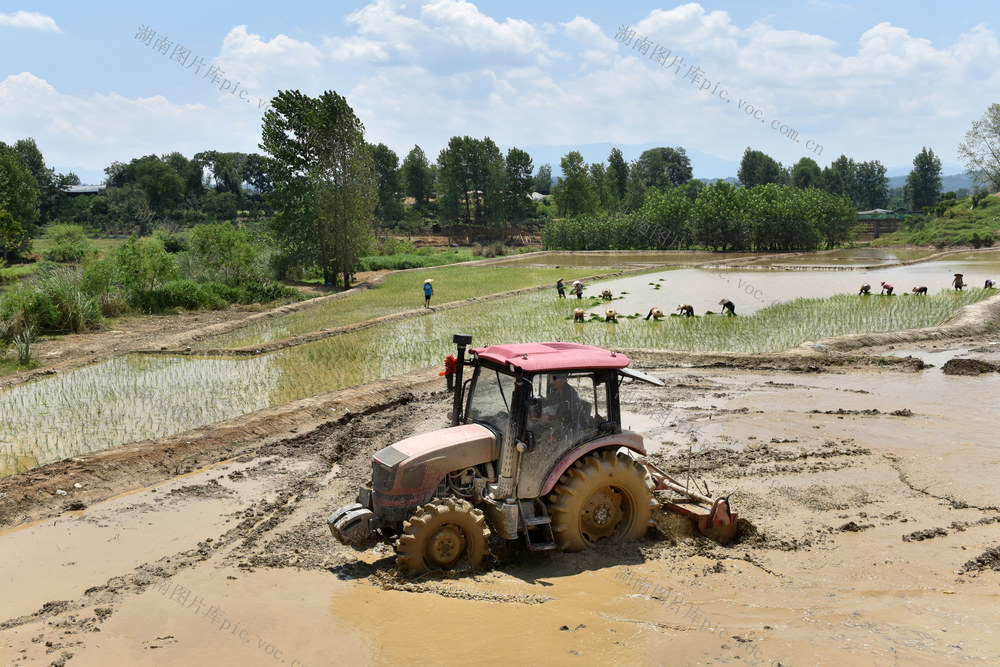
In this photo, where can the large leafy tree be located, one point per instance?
(573, 193)
(923, 185)
(718, 216)
(324, 182)
(664, 167)
(758, 168)
(839, 178)
(19, 196)
(418, 182)
(543, 180)
(805, 174)
(617, 175)
(981, 149)
(386, 162)
(519, 181)
(471, 179)
(871, 186)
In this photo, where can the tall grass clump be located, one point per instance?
(67, 243)
(50, 302)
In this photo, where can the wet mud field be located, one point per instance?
(870, 535)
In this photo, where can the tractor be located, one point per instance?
(535, 451)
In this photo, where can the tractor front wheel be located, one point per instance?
(603, 495)
(444, 534)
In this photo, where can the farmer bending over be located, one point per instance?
(728, 307)
(887, 289)
(687, 310)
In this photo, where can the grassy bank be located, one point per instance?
(959, 224)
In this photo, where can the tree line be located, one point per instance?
(720, 216)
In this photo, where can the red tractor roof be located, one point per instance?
(542, 357)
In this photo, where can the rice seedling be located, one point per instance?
(137, 397)
(399, 292)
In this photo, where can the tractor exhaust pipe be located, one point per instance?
(462, 341)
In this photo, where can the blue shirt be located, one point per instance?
(428, 290)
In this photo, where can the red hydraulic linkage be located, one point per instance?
(714, 518)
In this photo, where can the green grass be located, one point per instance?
(956, 226)
(102, 245)
(399, 292)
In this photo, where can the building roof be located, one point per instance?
(83, 189)
(542, 357)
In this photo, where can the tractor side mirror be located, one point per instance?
(609, 428)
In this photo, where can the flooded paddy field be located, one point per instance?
(150, 396)
(752, 290)
(870, 537)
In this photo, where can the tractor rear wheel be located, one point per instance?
(603, 495)
(444, 534)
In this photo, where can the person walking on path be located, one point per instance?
(578, 288)
(561, 288)
(428, 292)
(728, 307)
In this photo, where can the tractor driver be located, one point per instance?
(563, 404)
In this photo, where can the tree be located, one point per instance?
(324, 182)
(664, 167)
(418, 181)
(635, 191)
(543, 180)
(224, 252)
(718, 218)
(519, 182)
(981, 149)
(12, 234)
(617, 175)
(839, 178)
(758, 168)
(923, 185)
(471, 178)
(871, 186)
(163, 187)
(19, 196)
(573, 193)
(805, 174)
(599, 186)
(386, 162)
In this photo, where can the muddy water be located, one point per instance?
(751, 291)
(804, 591)
(846, 258)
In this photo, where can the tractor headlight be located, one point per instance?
(381, 475)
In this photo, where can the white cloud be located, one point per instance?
(30, 21)
(263, 62)
(598, 48)
(92, 131)
(445, 36)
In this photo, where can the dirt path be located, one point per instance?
(872, 538)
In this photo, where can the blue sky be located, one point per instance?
(869, 80)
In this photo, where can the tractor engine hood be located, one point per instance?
(417, 464)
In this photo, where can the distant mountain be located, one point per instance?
(704, 166)
(953, 182)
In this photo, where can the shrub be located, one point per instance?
(185, 294)
(69, 243)
(52, 302)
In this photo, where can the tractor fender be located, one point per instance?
(626, 439)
